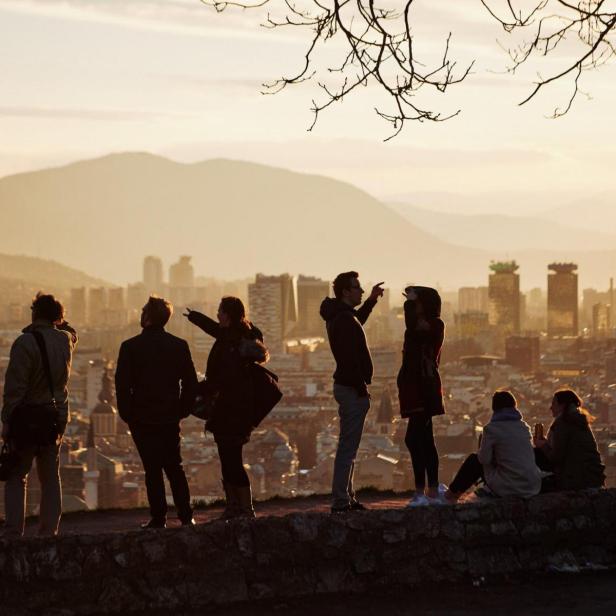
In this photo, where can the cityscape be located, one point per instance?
(533, 342)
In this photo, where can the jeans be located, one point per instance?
(419, 440)
(352, 412)
(231, 463)
(159, 449)
(469, 474)
(47, 466)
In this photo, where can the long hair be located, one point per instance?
(233, 307)
(573, 404)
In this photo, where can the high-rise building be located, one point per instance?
(116, 314)
(182, 282)
(470, 324)
(601, 320)
(272, 302)
(473, 299)
(310, 293)
(153, 275)
(523, 352)
(77, 312)
(562, 299)
(504, 297)
(97, 304)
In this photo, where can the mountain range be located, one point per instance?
(235, 218)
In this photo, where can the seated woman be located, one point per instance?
(570, 450)
(505, 460)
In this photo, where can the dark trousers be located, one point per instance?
(231, 462)
(419, 440)
(159, 448)
(470, 473)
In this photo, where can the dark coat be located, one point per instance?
(572, 451)
(227, 372)
(348, 342)
(419, 381)
(155, 378)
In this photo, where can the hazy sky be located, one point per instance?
(81, 78)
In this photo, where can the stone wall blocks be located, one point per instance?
(335, 533)
(396, 534)
(305, 526)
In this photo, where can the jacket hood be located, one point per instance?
(430, 300)
(331, 307)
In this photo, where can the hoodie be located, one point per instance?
(348, 342)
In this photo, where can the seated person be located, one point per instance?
(570, 450)
(505, 460)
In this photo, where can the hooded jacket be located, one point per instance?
(347, 340)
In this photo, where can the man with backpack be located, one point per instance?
(351, 379)
(35, 412)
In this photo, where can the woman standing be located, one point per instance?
(419, 387)
(570, 450)
(238, 344)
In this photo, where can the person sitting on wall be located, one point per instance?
(570, 450)
(505, 460)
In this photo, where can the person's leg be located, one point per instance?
(468, 475)
(172, 465)
(148, 443)
(415, 442)
(432, 461)
(15, 493)
(48, 468)
(352, 412)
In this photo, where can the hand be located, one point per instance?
(377, 291)
(188, 311)
(5, 431)
(539, 442)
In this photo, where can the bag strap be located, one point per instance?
(40, 341)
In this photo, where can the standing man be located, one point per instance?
(155, 389)
(351, 379)
(35, 412)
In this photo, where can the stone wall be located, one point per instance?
(304, 554)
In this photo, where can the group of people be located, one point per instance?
(157, 387)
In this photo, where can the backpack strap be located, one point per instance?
(40, 341)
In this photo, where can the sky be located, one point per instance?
(82, 78)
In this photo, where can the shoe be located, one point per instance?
(153, 523)
(342, 509)
(357, 506)
(190, 522)
(244, 498)
(440, 498)
(418, 500)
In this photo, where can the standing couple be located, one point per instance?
(419, 383)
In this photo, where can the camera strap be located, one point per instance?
(40, 341)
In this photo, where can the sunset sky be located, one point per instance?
(82, 78)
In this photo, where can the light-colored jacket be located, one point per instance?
(508, 459)
(25, 380)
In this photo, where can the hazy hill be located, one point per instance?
(597, 212)
(235, 218)
(497, 232)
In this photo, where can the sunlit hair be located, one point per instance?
(503, 399)
(45, 306)
(573, 404)
(234, 308)
(343, 281)
(158, 311)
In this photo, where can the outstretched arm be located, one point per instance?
(202, 321)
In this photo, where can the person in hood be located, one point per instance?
(351, 379)
(505, 460)
(419, 387)
(238, 343)
(570, 451)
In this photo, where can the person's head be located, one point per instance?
(503, 399)
(427, 301)
(156, 312)
(567, 403)
(231, 312)
(47, 308)
(347, 288)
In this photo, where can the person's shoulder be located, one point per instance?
(176, 340)
(24, 340)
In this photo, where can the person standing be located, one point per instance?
(419, 387)
(36, 381)
(156, 385)
(238, 344)
(353, 374)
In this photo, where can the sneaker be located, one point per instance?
(418, 500)
(153, 523)
(440, 498)
(357, 506)
(342, 509)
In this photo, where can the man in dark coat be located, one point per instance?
(155, 388)
(351, 379)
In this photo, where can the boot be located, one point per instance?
(232, 504)
(245, 501)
